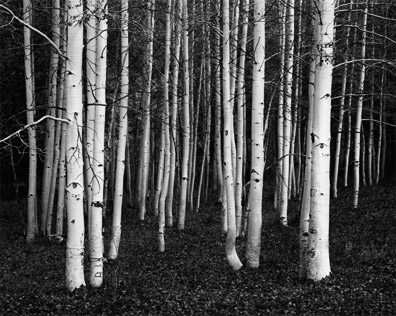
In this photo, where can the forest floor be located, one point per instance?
(192, 276)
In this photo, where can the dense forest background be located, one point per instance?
(193, 91)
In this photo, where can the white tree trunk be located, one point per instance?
(30, 111)
(306, 198)
(74, 150)
(257, 155)
(318, 241)
(173, 121)
(91, 100)
(359, 109)
(289, 51)
(165, 127)
(231, 253)
(95, 227)
(186, 123)
(240, 119)
(122, 135)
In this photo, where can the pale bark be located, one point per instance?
(231, 253)
(240, 118)
(122, 136)
(174, 111)
(358, 120)
(74, 154)
(91, 100)
(144, 160)
(30, 112)
(96, 224)
(306, 198)
(318, 265)
(218, 109)
(165, 128)
(287, 117)
(257, 154)
(280, 120)
(186, 123)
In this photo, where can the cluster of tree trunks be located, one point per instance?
(204, 121)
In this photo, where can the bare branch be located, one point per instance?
(34, 30)
(32, 124)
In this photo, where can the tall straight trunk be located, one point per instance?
(74, 155)
(218, 107)
(30, 112)
(289, 51)
(186, 123)
(380, 130)
(165, 128)
(257, 155)
(359, 109)
(341, 113)
(122, 136)
(318, 265)
(231, 253)
(207, 102)
(339, 129)
(370, 143)
(194, 142)
(240, 119)
(173, 120)
(144, 159)
(306, 198)
(52, 101)
(91, 100)
(280, 119)
(95, 227)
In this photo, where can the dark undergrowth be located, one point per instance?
(192, 276)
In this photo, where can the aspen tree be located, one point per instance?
(280, 119)
(90, 27)
(144, 158)
(207, 101)
(74, 151)
(95, 226)
(174, 111)
(257, 155)
(218, 106)
(231, 253)
(165, 131)
(306, 198)
(60, 207)
(289, 59)
(359, 109)
(380, 130)
(186, 123)
(318, 261)
(122, 135)
(341, 113)
(370, 145)
(30, 112)
(240, 119)
(49, 164)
